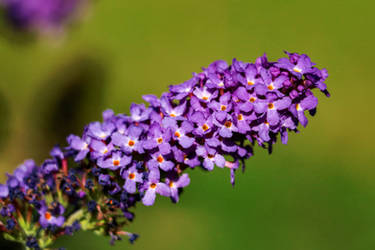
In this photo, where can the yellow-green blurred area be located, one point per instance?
(317, 192)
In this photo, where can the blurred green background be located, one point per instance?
(317, 192)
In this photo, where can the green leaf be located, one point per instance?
(9, 237)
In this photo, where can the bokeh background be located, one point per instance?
(317, 192)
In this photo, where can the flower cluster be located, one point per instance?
(40, 15)
(213, 119)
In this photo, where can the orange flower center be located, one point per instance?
(250, 83)
(172, 115)
(131, 176)
(116, 163)
(160, 140)
(223, 107)
(171, 184)
(205, 98)
(270, 87)
(252, 99)
(47, 215)
(160, 158)
(205, 127)
(131, 143)
(177, 134)
(228, 124)
(295, 69)
(240, 117)
(153, 185)
(271, 106)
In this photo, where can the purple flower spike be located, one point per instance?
(213, 119)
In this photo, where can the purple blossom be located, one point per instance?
(100, 131)
(100, 149)
(159, 137)
(132, 176)
(129, 142)
(180, 132)
(308, 103)
(225, 124)
(115, 161)
(270, 84)
(153, 186)
(184, 89)
(176, 183)
(204, 95)
(296, 64)
(250, 79)
(4, 191)
(52, 215)
(159, 161)
(211, 157)
(203, 123)
(139, 112)
(171, 110)
(80, 145)
(50, 166)
(224, 104)
(273, 108)
(41, 15)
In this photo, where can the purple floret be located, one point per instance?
(52, 215)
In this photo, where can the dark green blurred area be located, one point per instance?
(317, 192)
